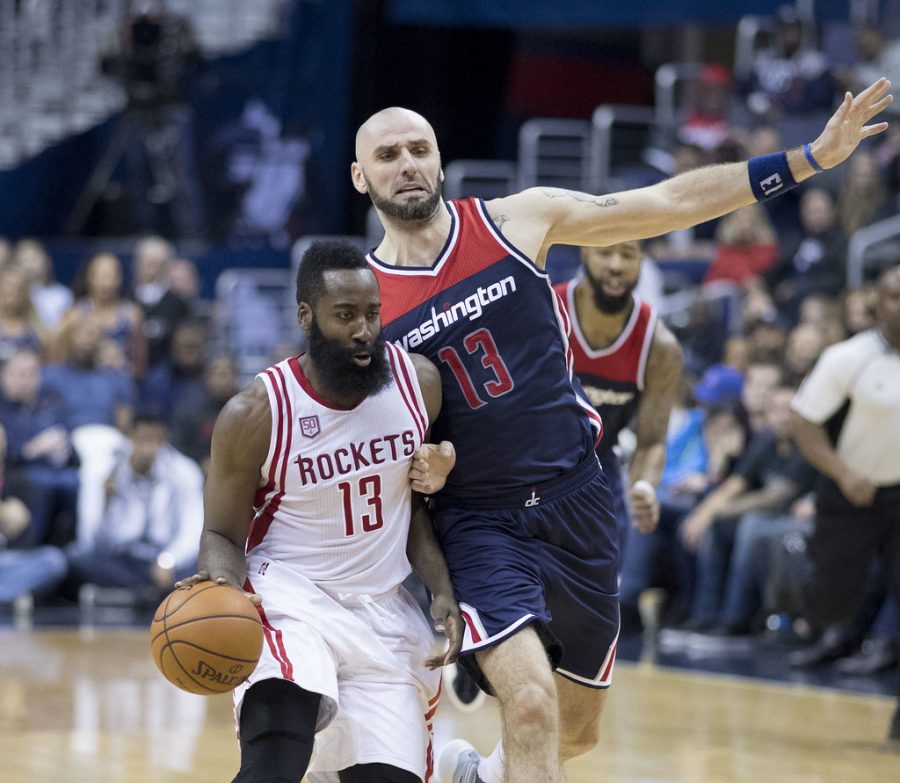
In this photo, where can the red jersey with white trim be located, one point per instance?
(612, 377)
(488, 318)
(334, 498)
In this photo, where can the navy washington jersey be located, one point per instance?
(491, 322)
(612, 377)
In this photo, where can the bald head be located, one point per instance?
(399, 166)
(390, 122)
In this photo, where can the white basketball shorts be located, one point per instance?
(364, 654)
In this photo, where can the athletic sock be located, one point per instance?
(490, 769)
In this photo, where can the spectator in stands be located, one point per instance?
(180, 373)
(185, 281)
(875, 54)
(746, 247)
(767, 340)
(162, 308)
(41, 462)
(148, 534)
(761, 379)
(824, 313)
(195, 415)
(99, 403)
(22, 571)
(770, 476)
(99, 295)
(858, 308)
(20, 328)
(863, 197)
(789, 78)
(847, 423)
(736, 353)
(804, 345)
(814, 261)
(50, 298)
(706, 125)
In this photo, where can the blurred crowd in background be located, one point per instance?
(109, 387)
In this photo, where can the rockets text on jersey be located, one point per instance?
(334, 496)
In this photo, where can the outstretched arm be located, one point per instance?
(539, 217)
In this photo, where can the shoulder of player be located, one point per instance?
(429, 378)
(245, 423)
(530, 204)
(665, 359)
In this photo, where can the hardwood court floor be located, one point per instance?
(88, 706)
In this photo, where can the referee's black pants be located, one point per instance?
(842, 546)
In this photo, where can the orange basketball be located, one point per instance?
(206, 638)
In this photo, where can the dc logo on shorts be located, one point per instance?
(309, 426)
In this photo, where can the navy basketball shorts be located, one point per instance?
(549, 561)
(615, 478)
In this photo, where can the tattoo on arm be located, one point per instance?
(500, 221)
(600, 201)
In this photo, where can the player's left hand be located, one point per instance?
(431, 464)
(847, 126)
(445, 612)
(644, 506)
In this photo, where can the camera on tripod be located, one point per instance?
(157, 54)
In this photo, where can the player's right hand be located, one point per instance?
(857, 489)
(203, 576)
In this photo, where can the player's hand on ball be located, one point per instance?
(431, 464)
(203, 576)
(445, 612)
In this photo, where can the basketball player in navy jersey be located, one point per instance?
(629, 365)
(308, 508)
(525, 519)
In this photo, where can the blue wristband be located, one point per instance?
(807, 150)
(770, 175)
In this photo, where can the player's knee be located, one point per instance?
(278, 727)
(532, 706)
(578, 740)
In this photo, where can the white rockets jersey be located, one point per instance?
(334, 495)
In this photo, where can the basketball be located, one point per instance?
(206, 638)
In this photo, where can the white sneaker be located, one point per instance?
(462, 690)
(458, 763)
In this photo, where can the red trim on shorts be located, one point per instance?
(476, 637)
(403, 384)
(274, 640)
(612, 659)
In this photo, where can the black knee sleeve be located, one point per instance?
(377, 773)
(278, 727)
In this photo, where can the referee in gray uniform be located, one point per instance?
(846, 422)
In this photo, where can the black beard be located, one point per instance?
(339, 374)
(611, 305)
(414, 210)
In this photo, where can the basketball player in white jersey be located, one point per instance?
(321, 446)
